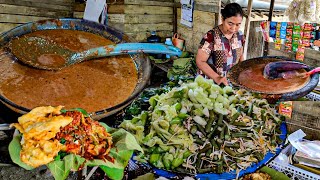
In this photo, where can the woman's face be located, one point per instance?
(232, 24)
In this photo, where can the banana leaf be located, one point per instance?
(124, 144)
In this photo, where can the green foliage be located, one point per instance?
(14, 151)
(124, 144)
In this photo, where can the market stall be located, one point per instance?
(149, 115)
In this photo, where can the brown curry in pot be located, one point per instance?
(93, 85)
(253, 78)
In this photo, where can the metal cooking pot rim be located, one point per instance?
(142, 63)
(234, 72)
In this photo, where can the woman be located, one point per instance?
(222, 47)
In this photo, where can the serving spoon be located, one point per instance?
(44, 54)
(287, 70)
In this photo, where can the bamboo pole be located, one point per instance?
(265, 48)
(247, 28)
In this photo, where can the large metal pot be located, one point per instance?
(142, 63)
(234, 72)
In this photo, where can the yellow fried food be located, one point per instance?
(37, 115)
(39, 127)
(257, 176)
(37, 153)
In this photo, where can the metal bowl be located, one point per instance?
(142, 63)
(234, 72)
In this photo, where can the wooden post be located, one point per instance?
(218, 15)
(175, 17)
(247, 29)
(265, 51)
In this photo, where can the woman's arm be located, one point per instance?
(243, 41)
(202, 64)
(241, 56)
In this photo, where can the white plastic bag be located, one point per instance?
(293, 10)
(317, 10)
(305, 146)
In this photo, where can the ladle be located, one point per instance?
(287, 70)
(44, 54)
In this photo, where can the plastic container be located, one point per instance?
(293, 172)
(169, 43)
(317, 33)
(153, 38)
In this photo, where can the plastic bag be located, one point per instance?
(305, 146)
(317, 10)
(307, 11)
(293, 10)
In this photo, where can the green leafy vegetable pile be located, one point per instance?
(182, 68)
(201, 127)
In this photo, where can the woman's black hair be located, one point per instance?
(232, 9)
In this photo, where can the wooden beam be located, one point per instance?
(149, 3)
(211, 7)
(33, 11)
(65, 6)
(18, 19)
(137, 9)
(246, 29)
(253, 15)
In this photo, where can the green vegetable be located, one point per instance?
(158, 150)
(176, 120)
(186, 154)
(233, 145)
(183, 115)
(134, 109)
(214, 144)
(274, 174)
(167, 159)
(153, 101)
(230, 152)
(154, 158)
(240, 134)
(178, 107)
(235, 117)
(250, 109)
(228, 90)
(84, 112)
(193, 129)
(201, 129)
(206, 148)
(143, 118)
(210, 122)
(135, 120)
(218, 108)
(240, 123)
(176, 162)
(62, 141)
(219, 167)
(199, 120)
(258, 155)
(198, 141)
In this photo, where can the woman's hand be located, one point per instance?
(222, 80)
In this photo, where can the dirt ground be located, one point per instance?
(18, 173)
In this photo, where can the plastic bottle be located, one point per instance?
(169, 43)
(317, 33)
(153, 38)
